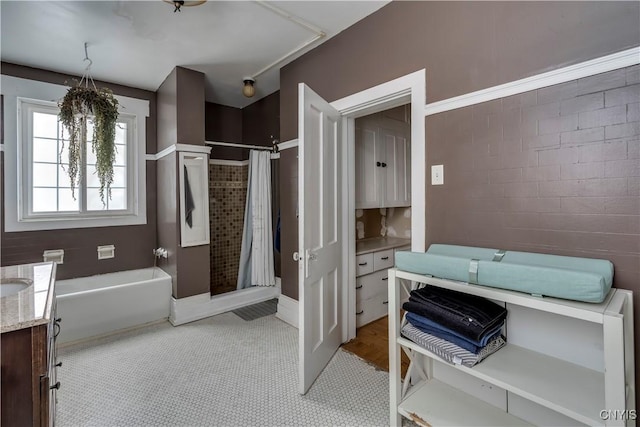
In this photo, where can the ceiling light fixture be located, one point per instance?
(248, 89)
(177, 4)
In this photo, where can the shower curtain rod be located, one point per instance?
(273, 149)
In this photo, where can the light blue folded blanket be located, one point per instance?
(580, 279)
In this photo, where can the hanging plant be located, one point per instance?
(80, 105)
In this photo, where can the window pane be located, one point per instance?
(64, 152)
(118, 199)
(121, 133)
(121, 155)
(92, 177)
(65, 199)
(89, 130)
(93, 200)
(91, 156)
(45, 125)
(44, 199)
(44, 175)
(63, 176)
(45, 150)
(119, 176)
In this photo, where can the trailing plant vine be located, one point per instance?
(79, 106)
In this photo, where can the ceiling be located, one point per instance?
(138, 43)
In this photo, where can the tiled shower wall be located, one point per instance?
(227, 198)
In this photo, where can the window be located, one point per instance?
(36, 183)
(48, 189)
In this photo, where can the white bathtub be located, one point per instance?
(97, 305)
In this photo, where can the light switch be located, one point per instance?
(437, 174)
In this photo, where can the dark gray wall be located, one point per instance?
(133, 243)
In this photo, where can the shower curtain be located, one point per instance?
(256, 255)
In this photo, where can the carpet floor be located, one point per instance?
(220, 371)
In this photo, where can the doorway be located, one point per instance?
(409, 89)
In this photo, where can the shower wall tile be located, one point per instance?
(228, 192)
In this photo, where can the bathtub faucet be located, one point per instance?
(160, 253)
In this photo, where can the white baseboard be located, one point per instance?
(185, 310)
(288, 310)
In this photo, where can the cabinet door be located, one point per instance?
(398, 167)
(369, 171)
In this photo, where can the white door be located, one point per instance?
(320, 234)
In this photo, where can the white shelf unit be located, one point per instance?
(569, 389)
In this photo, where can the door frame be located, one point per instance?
(408, 89)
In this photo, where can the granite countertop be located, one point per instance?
(373, 244)
(31, 306)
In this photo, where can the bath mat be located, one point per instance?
(256, 311)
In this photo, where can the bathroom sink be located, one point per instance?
(11, 286)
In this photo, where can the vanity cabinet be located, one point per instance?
(383, 164)
(29, 328)
(29, 381)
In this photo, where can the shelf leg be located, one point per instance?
(395, 419)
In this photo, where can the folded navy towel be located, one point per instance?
(468, 315)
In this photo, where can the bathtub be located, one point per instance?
(97, 305)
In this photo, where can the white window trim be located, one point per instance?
(14, 88)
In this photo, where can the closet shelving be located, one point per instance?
(576, 392)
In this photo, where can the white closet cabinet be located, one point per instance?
(565, 363)
(383, 164)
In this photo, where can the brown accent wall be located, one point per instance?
(133, 243)
(181, 106)
(261, 121)
(224, 124)
(506, 184)
(556, 170)
(228, 194)
(464, 46)
(167, 199)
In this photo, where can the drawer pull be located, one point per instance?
(359, 312)
(362, 264)
(359, 287)
(385, 302)
(56, 386)
(385, 278)
(384, 258)
(56, 326)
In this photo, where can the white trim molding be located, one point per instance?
(190, 309)
(603, 64)
(292, 143)
(228, 162)
(19, 92)
(288, 310)
(190, 148)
